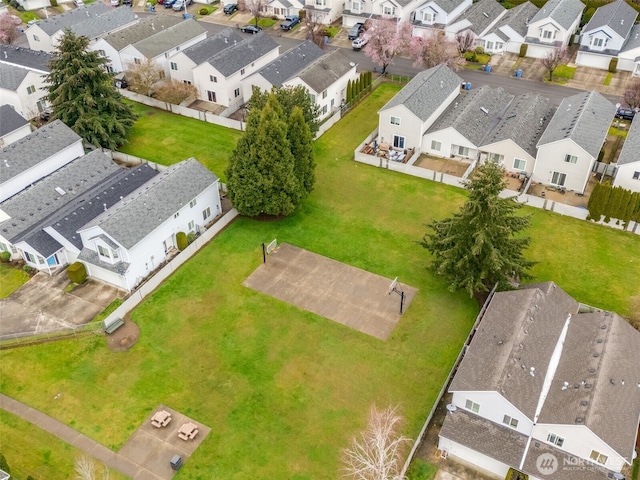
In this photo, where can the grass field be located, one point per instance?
(11, 279)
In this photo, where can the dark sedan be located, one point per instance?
(252, 29)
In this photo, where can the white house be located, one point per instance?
(553, 26)
(111, 45)
(512, 142)
(605, 34)
(163, 45)
(13, 126)
(361, 10)
(22, 75)
(629, 56)
(466, 123)
(217, 65)
(571, 143)
(477, 19)
(92, 21)
(509, 32)
(434, 15)
(324, 11)
(547, 387)
(406, 117)
(628, 167)
(282, 8)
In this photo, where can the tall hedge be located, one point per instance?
(523, 50)
(182, 241)
(613, 65)
(77, 272)
(613, 202)
(349, 96)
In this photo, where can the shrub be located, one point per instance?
(54, 3)
(479, 49)
(613, 65)
(77, 273)
(191, 236)
(5, 257)
(302, 14)
(203, 11)
(181, 241)
(4, 465)
(28, 268)
(523, 50)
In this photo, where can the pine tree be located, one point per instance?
(290, 97)
(82, 95)
(301, 146)
(348, 92)
(482, 244)
(4, 466)
(625, 199)
(605, 201)
(594, 204)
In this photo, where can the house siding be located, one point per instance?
(550, 158)
(448, 138)
(494, 407)
(476, 458)
(624, 177)
(510, 150)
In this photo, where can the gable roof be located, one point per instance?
(633, 40)
(446, 5)
(290, 63)
(25, 57)
(11, 76)
(631, 148)
(169, 38)
(213, 45)
(71, 18)
(23, 154)
(10, 120)
(481, 15)
(144, 210)
(524, 122)
(517, 18)
(426, 92)
(243, 53)
(104, 23)
(563, 12)
(144, 28)
(584, 118)
(619, 16)
(326, 70)
(474, 114)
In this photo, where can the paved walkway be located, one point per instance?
(67, 434)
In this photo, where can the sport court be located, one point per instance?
(342, 293)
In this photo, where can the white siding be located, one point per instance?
(494, 407)
(588, 59)
(538, 51)
(467, 454)
(450, 139)
(38, 39)
(604, 33)
(110, 53)
(184, 68)
(551, 158)
(15, 135)
(410, 126)
(624, 177)
(511, 151)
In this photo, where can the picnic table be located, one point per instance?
(188, 431)
(161, 419)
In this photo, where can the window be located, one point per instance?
(555, 439)
(192, 203)
(463, 151)
(598, 457)
(109, 68)
(388, 10)
(3, 247)
(114, 254)
(40, 260)
(549, 34)
(213, 78)
(176, 215)
(36, 38)
(320, 3)
(356, 6)
(211, 96)
(174, 66)
(436, 145)
(104, 252)
(324, 94)
(206, 213)
(137, 61)
(510, 421)
(394, 120)
(636, 175)
(519, 164)
(102, 53)
(488, 45)
(428, 17)
(242, 72)
(161, 74)
(186, 82)
(570, 158)
(324, 109)
(236, 92)
(398, 141)
(473, 406)
(599, 42)
(499, 45)
(192, 226)
(29, 257)
(31, 89)
(558, 179)
(177, 49)
(496, 158)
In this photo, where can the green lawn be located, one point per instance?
(11, 279)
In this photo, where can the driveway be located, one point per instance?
(42, 305)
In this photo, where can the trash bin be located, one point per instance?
(488, 68)
(325, 39)
(464, 85)
(176, 462)
(467, 86)
(518, 73)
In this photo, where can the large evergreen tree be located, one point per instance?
(482, 244)
(82, 95)
(289, 97)
(301, 146)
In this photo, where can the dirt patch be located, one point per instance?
(124, 337)
(444, 165)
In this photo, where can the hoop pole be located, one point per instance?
(401, 301)
(264, 253)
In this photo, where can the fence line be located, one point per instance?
(132, 160)
(13, 340)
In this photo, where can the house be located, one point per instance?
(628, 168)
(163, 45)
(553, 26)
(571, 143)
(22, 79)
(129, 240)
(35, 156)
(111, 45)
(463, 127)
(92, 21)
(509, 32)
(324, 11)
(629, 56)
(547, 387)
(13, 126)
(282, 8)
(605, 34)
(217, 65)
(477, 19)
(405, 118)
(434, 15)
(361, 10)
(512, 143)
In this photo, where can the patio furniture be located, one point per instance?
(188, 431)
(161, 419)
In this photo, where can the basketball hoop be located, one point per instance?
(394, 287)
(269, 249)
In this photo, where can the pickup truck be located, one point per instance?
(289, 22)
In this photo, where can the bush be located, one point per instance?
(523, 50)
(77, 273)
(5, 257)
(28, 268)
(4, 465)
(203, 11)
(613, 65)
(479, 50)
(302, 14)
(54, 3)
(182, 241)
(191, 236)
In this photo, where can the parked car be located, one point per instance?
(355, 31)
(229, 8)
(119, 81)
(359, 42)
(168, 3)
(625, 113)
(78, 3)
(115, 3)
(252, 29)
(180, 4)
(290, 22)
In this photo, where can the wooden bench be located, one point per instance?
(113, 326)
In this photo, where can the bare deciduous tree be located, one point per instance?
(313, 21)
(553, 59)
(256, 8)
(175, 92)
(143, 76)
(378, 453)
(465, 41)
(632, 95)
(386, 39)
(434, 50)
(9, 28)
(86, 469)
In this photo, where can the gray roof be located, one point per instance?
(43, 243)
(23, 154)
(11, 76)
(149, 206)
(214, 45)
(520, 328)
(326, 70)
(72, 17)
(631, 148)
(104, 23)
(524, 122)
(92, 257)
(169, 38)
(144, 28)
(426, 92)
(481, 15)
(584, 118)
(290, 63)
(633, 40)
(10, 120)
(446, 5)
(564, 12)
(25, 57)
(242, 54)
(41, 201)
(517, 18)
(619, 16)
(474, 114)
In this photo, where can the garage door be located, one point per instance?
(538, 51)
(585, 59)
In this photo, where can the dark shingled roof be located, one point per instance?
(169, 38)
(481, 15)
(144, 28)
(517, 18)
(105, 23)
(446, 5)
(43, 243)
(25, 57)
(241, 54)
(326, 70)
(71, 18)
(631, 148)
(633, 40)
(10, 120)
(290, 63)
(564, 12)
(92, 257)
(213, 46)
(618, 15)
(11, 76)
